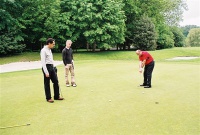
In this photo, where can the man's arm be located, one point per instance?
(63, 56)
(141, 65)
(43, 58)
(72, 57)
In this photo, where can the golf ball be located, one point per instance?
(109, 100)
(142, 92)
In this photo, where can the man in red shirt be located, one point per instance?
(146, 62)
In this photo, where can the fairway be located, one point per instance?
(107, 101)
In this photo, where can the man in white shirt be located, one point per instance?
(49, 71)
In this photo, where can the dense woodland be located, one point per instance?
(91, 24)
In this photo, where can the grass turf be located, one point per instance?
(87, 109)
(159, 55)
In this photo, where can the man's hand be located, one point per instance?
(140, 70)
(47, 75)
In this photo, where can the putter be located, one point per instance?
(28, 124)
(140, 77)
(60, 90)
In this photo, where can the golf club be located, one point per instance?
(60, 90)
(141, 78)
(28, 124)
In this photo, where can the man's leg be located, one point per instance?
(47, 86)
(149, 73)
(67, 74)
(145, 76)
(72, 75)
(54, 79)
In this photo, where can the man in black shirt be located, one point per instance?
(67, 55)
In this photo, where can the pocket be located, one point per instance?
(67, 66)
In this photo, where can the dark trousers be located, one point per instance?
(148, 73)
(53, 76)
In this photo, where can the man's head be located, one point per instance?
(139, 52)
(50, 42)
(68, 43)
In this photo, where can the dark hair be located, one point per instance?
(49, 40)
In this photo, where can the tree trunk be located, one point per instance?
(40, 47)
(87, 46)
(94, 47)
(124, 46)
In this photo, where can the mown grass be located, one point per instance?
(170, 107)
(107, 100)
(159, 55)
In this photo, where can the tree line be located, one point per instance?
(91, 24)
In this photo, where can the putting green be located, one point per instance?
(107, 101)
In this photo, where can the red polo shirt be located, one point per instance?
(146, 56)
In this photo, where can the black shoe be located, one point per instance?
(143, 85)
(60, 98)
(50, 101)
(147, 86)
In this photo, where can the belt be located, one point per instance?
(150, 62)
(49, 65)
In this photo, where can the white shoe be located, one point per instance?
(74, 85)
(67, 85)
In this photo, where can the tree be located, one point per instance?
(163, 13)
(165, 38)
(173, 10)
(132, 12)
(102, 22)
(11, 35)
(193, 39)
(178, 37)
(42, 24)
(145, 34)
(187, 28)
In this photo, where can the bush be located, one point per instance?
(178, 37)
(10, 45)
(193, 39)
(145, 34)
(165, 38)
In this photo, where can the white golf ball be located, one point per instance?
(109, 100)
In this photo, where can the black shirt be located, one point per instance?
(67, 55)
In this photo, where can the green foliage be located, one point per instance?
(173, 10)
(100, 22)
(9, 44)
(165, 38)
(145, 34)
(178, 37)
(187, 28)
(42, 24)
(132, 13)
(193, 38)
(163, 13)
(11, 36)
